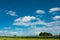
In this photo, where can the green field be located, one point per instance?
(4, 38)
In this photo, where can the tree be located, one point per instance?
(59, 35)
(14, 35)
(45, 34)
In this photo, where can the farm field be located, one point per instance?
(29, 39)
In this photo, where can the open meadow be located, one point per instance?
(7, 38)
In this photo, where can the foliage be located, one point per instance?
(45, 34)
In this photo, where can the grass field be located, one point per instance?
(5, 38)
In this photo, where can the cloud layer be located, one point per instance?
(54, 9)
(40, 11)
(11, 13)
(31, 25)
(56, 17)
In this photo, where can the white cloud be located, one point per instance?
(9, 33)
(52, 27)
(54, 9)
(12, 13)
(40, 11)
(53, 30)
(26, 21)
(18, 29)
(14, 33)
(56, 17)
(25, 18)
(17, 33)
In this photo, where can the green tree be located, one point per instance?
(59, 35)
(45, 34)
(14, 35)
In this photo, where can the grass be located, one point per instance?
(28, 38)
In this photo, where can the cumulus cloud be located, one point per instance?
(14, 33)
(11, 13)
(17, 33)
(25, 18)
(26, 21)
(8, 33)
(31, 25)
(52, 27)
(53, 30)
(56, 17)
(40, 11)
(54, 9)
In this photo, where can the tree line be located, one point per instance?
(47, 34)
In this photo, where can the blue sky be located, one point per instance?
(29, 17)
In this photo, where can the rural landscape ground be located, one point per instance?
(29, 38)
(26, 39)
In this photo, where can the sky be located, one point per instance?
(29, 17)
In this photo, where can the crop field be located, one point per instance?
(5, 38)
